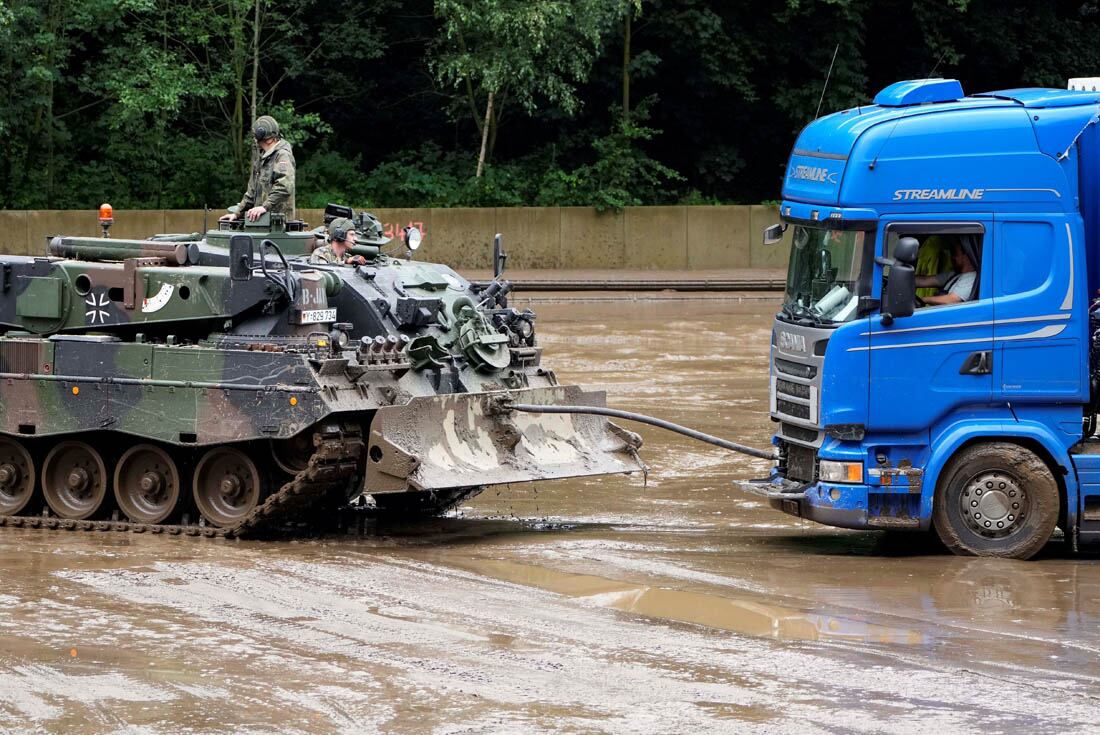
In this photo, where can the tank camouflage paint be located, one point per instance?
(223, 385)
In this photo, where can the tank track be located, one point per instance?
(336, 459)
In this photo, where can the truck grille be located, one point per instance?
(799, 433)
(791, 395)
(798, 390)
(801, 463)
(797, 410)
(796, 369)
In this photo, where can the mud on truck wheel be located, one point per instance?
(996, 499)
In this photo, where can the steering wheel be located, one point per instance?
(918, 301)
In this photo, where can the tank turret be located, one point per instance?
(157, 288)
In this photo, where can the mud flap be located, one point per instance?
(462, 440)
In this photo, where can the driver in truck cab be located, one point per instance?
(955, 286)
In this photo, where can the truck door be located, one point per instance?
(939, 359)
(1042, 352)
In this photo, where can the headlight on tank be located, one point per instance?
(832, 471)
(339, 336)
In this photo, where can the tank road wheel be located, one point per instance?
(147, 484)
(74, 480)
(292, 455)
(227, 486)
(996, 500)
(16, 477)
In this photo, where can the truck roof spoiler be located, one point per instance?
(919, 92)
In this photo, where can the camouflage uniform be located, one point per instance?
(325, 254)
(338, 229)
(271, 184)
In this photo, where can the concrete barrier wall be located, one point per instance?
(637, 238)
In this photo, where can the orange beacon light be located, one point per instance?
(106, 218)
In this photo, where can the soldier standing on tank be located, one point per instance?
(271, 184)
(342, 237)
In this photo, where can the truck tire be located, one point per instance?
(996, 499)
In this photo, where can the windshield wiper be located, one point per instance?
(801, 314)
(787, 311)
(816, 318)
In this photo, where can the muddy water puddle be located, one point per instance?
(671, 603)
(739, 615)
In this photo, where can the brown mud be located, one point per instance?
(593, 605)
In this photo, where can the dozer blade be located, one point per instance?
(465, 440)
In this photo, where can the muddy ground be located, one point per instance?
(609, 605)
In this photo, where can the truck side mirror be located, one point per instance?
(906, 250)
(899, 294)
(773, 234)
(240, 257)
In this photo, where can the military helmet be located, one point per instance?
(371, 229)
(339, 228)
(265, 127)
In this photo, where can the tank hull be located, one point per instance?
(224, 387)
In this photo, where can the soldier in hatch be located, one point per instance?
(271, 184)
(342, 237)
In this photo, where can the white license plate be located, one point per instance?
(316, 316)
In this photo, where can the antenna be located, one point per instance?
(937, 66)
(825, 86)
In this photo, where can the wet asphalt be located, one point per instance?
(671, 603)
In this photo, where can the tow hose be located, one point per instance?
(643, 419)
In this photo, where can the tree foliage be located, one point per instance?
(148, 103)
(530, 48)
(520, 51)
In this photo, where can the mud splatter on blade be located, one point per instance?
(449, 441)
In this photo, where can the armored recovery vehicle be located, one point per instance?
(222, 385)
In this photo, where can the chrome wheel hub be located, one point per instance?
(993, 504)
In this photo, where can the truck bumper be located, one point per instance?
(840, 505)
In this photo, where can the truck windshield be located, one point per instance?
(823, 275)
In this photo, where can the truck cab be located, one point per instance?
(930, 362)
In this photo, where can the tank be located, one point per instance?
(221, 385)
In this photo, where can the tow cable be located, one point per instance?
(505, 405)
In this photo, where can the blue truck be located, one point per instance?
(934, 363)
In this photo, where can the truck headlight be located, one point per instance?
(832, 471)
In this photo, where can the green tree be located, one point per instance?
(41, 44)
(186, 82)
(517, 51)
(622, 175)
(148, 102)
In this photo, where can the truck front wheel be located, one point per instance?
(996, 499)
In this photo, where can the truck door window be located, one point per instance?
(949, 265)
